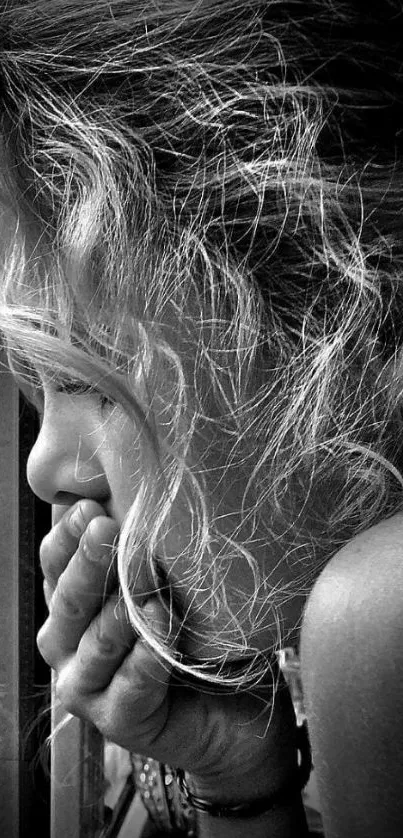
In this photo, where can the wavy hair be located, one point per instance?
(224, 178)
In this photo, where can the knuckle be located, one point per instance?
(41, 642)
(66, 602)
(45, 555)
(45, 646)
(100, 641)
(47, 592)
(67, 693)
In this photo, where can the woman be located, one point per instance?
(201, 293)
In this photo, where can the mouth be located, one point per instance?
(58, 510)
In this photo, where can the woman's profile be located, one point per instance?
(201, 292)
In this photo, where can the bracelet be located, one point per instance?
(239, 810)
(255, 807)
(166, 805)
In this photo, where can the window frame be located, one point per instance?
(58, 787)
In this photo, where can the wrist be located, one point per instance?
(280, 814)
(265, 781)
(242, 795)
(231, 788)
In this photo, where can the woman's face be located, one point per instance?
(86, 450)
(83, 450)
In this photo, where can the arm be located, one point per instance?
(238, 747)
(352, 671)
(281, 824)
(253, 779)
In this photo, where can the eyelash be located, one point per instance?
(78, 388)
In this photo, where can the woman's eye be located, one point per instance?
(79, 388)
(74, 388)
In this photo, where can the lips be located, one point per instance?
(58, 510)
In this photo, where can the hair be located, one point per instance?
(225, 179)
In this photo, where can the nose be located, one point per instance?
(64, 463)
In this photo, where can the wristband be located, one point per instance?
(240, 810)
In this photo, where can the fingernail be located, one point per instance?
(93, 550)
(76, 522)
(87, 551)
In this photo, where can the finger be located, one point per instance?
(133, 708)
(102, 648)
(117, 681)
(47, 592)
(110, 649)
(143, 674)
(80, 592)
(62, 540)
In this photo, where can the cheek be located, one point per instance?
(214, 593)
(123, 467)
(124, 483)
(216, 598)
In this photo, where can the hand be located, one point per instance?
(109, 676)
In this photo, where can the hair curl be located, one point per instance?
(225, 178)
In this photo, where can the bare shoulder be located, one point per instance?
(361, 590)
(352, 673)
